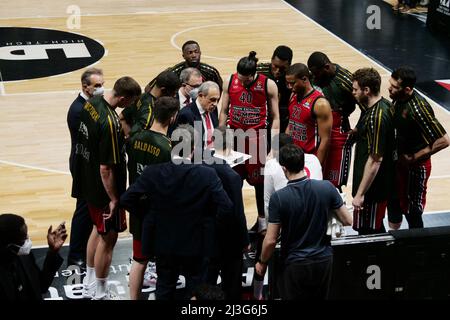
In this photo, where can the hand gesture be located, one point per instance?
(57, 237)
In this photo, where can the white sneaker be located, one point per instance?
(150, 279)
(89, 290)
(109, 295)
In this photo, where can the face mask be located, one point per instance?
(25, 248)
(98, 91)
(193, 93)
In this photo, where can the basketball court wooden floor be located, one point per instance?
(140, 41)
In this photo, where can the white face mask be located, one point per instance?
(193, 93)
(98, 91)
(25, 248)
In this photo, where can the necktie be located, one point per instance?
(209, 130)
(187, 101)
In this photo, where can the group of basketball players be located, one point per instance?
(311, 103)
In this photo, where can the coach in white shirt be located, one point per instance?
(274, 178)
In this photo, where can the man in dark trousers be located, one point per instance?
(300, 211)
(200, 114)
(81, 227)
(229, 257)
(20, 277)
(184, 200)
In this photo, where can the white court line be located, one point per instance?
(359, 52)
(147, 12)
(436, 212)
(34, 167)
(2, 86)
(175, 35)
(40, 92)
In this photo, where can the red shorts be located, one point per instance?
(251, 170)
(371, 216)
(337, 164)
(116, 223)
(137, 251)
(411, 184)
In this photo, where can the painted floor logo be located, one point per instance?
(29, 53)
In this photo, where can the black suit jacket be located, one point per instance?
(183, 200)
(190, 114)
(73, 122)
(35, 281)
(232, 234)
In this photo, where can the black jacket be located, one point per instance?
(30, 280)
(183, 201)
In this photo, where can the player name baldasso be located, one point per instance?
(144, 146)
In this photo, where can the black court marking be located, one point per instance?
(402, 40)
(29, 53)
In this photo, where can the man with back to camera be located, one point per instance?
(147, 147)
(300, 212)
(81, 227)
(100, 179)
(140, 115)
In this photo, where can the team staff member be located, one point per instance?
(81, 226)
(373, 168)
(336, 84)
(310, 118)
(100, 177)
(300, 212)
(182, 197)
(147, 147)
(419, 135)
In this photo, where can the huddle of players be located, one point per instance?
(310, 103)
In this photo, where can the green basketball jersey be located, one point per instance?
(140, 114)
(417, 126)
(375, 135)
(100, 140)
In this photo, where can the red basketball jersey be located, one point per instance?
(302, 122)
(248, 106)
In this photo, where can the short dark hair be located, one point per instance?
(368, 77)
(188, 43)
(127, 87)
(283, 53)
(165, 108)
(86, 76)
(292, 158)
(11, 229)
(247, 65)
(299, 70)
(206, 291)
(168, 80)
(283, 139)
(318, 60)
(405, 75)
